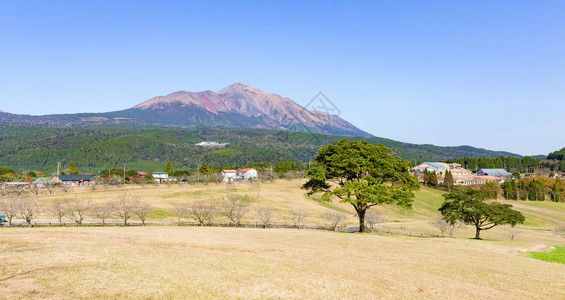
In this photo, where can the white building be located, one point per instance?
(248, 174)
(211, 144)
(160, 177)
(229, 175)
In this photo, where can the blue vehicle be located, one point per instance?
(2, 220)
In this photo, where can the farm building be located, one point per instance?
(495, 172)
(74, 180)
(229, 175)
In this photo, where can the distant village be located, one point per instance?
(460, 175)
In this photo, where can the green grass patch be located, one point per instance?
(159, 214)
(555, 256)
(225, 152)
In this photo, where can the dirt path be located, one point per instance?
(532, 211)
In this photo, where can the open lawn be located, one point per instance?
(207, 262)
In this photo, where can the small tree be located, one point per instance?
(10, 208)
(334, 217)
(58, 210)
(299, 216)
(204, 169)
(447, 228)
(27, 209)
(142, 211)
(266, 214)
(202, 212)
(103, 212)
(234, 209)
(124, 207)
(373, 217)
(78, 209)
(448, 180)
(469, 207)
(180, 211)
(512, 232)
(169, 169)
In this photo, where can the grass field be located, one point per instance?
(188, 262)
(284, 195)
(557, 255)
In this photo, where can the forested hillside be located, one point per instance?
(93, 149)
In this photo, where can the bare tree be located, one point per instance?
(299, 216)
(334, 217)
(93, 187)
(78, 209)
(103, 212)
(373, 217)
(10, 208)
(266, 214)
(202, 212)
(560, 231)
(27, 209)
(58, 210)
(125, 206)
(234, 209)
(512, 232)
(180, 211)
(49, 187)
(65, 188)
(447, 228)
(142, 211)
(35, 189)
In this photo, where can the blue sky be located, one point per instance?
(489, 74)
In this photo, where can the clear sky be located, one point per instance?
(489, 74)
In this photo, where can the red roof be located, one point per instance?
(245, 170)
(140, 173)
(229, 171)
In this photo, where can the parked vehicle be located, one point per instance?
(3, 220)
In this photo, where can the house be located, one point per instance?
(74, 180)
(212, 144)
(248, 174)
(229, 175)
(160, 177)
(495, 172)
(461, 176)
(141, 174)
(41, 182)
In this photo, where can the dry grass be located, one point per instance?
(188, 262)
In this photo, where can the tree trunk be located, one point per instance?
(361, 213)
(477, 233)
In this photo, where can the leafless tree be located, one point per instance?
(49, 188)
(180, 210)
(560, 231)
(124, 207)
(512, 232)
(10, 208)
(103, 212)
(202, 212)
(142, 211)
(58, 210)
(334, 217)
(65, 188)
(266, 214)
(93, 187)
(447, 228)
(234, 209)
(35, 189)
(27, 209)
(373, 217)
(78, 209)
(299, 216)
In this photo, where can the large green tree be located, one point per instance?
(169, 169)
(469, 206)
(363, 175)
(204, 169)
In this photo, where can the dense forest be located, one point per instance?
(554, 161)
(96, 149)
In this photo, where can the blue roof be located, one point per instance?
(495, 172)
(436, 165)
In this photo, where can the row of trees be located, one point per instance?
(535, 189)
(124, 207)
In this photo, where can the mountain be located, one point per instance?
(236, 106)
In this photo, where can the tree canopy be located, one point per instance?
(363, 175)
(470, 207)
(73, 170)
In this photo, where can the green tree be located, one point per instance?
(433, 179)
(469, 207)
(448, 180)
(73, 170)
(169, 169)
(555, 197)
(364, 175)
(204, 169)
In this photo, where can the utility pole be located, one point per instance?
(124, 174)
